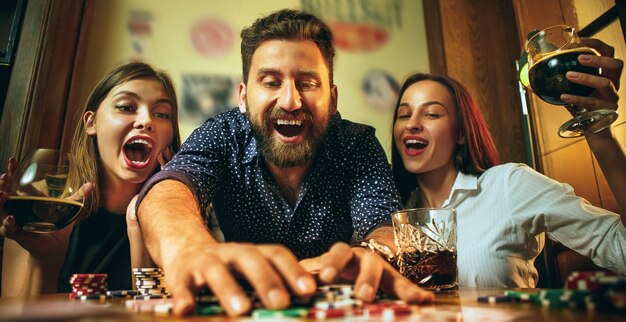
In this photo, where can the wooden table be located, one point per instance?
(453, 306)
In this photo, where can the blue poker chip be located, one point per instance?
(494, 299)
(122, 293)
(152, 297)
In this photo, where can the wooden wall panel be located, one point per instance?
(479, 46)
(574, 165)
(36, 100)
(607, 199)
(538, 14)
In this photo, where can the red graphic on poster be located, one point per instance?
(358, 37)
(212, 37)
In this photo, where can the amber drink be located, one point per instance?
(426, 247)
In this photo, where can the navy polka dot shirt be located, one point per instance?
(348, 188)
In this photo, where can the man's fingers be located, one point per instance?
(261, 274)
(394, 283)
(184, 299)
(226, 289)
(296, 276)
(335, 262)
(370, 272)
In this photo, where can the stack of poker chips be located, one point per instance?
(331, 301)
(88, 286)
(150, 283)
(596, 290)
(607, 290)
(337, 301)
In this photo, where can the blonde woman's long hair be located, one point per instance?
(85, 165)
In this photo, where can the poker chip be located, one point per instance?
(151, 297)
(150, 281)
(85, 276)
(494, 299)
(147, 269)
(207, 310)
(122, 293)
(338, 304)
(321, 314)
(386, 310)
(597, 290)
(293, 312)
(521, 296)
(100, 297)
(88, 286)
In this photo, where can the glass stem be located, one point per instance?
(575, 110)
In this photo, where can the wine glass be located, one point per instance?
(38, 197)
(553, 52)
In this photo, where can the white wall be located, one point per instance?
(168, 45)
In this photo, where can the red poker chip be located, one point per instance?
(98, 296)
(79, 284)
(582, 284)
(89, 275)
(588, 274)
(329, 313)
(86, 290)
(374, 309)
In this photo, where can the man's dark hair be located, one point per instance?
(291, 25)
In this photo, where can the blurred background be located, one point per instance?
(198, 43)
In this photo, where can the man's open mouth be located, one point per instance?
(289, 127)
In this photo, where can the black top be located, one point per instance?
(99, 244)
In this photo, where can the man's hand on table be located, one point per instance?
(274, 273)
(368, 271)
(272, 270)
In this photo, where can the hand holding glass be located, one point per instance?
(553, 52)
(38, 197)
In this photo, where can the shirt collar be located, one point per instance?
(465, 182)
(462, 182)
(251, 150)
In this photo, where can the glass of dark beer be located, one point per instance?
(426, 247)
(553, 52)
(38, 194)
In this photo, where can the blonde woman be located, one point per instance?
(129, 128)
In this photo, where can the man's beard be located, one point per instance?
(287, 155)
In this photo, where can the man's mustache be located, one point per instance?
(278, 112)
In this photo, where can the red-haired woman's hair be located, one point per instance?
(478, 152)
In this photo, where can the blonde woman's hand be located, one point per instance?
(165, 156)
(139, 256)
(39, 245)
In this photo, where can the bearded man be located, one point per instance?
(289, 180)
